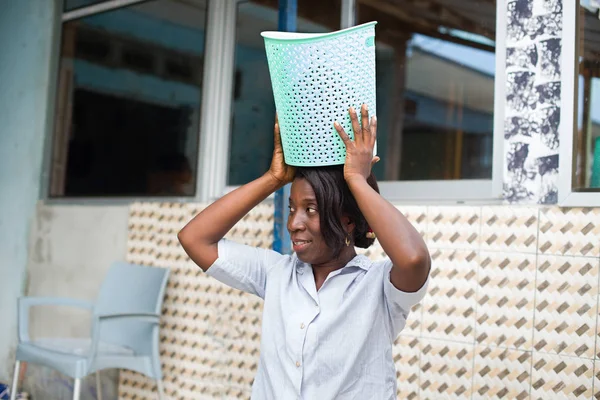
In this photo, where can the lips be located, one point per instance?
(300, 244)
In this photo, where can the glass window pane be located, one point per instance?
(435, 88)
(587, 139)
(251, 145)
(128, 102)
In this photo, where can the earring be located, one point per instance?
(348, 240)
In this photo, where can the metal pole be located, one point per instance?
(288, 10)
(348, 17)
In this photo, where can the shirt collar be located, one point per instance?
(361, 261)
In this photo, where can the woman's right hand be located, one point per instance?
(279, 170)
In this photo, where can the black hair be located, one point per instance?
(335, 201)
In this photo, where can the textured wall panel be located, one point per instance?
(511, 229)
(505, 300)
(565, 306)
(446, 370)
(497, 323)
(449, 306)
(453, 227)
(407, 356)
(501, 374)
(556, 377)
(570, 231)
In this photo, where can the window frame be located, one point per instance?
(567, 197)
(213, 21)
(463, 191)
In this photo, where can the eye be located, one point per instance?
(291, 209)
(311, 210)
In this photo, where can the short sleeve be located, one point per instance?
(399, 302)
(244, 267)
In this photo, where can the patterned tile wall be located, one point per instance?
(511, 313)
(532, 108)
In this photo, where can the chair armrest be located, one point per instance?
(25, 303)
(144, 317)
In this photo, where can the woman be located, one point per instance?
(330, 316)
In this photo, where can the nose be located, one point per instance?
(295, 222)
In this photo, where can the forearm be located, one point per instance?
(200, 236)
(398, 238)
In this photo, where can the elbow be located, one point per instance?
(183, 237)
(190, 238)
(419, 260)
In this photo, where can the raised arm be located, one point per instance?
(201, 235)
(399, 239)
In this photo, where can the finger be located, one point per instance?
(375, 160)
(343, 135)
(373, 129)
(364, 113)
(277, 132)
(355, 123)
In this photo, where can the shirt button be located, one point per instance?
(298, 364)
(302, 325)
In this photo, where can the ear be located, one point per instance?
(348, 224)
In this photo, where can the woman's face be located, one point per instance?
(304, 225)
(305, 228)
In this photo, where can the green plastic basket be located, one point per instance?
(316, 78)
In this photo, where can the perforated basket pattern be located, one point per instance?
(315, 81)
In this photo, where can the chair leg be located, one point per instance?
(15, 382)
(161, 389)
(98, 386)
(76, 389)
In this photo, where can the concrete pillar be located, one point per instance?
(27, 32)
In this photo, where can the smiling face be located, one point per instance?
(305, 228)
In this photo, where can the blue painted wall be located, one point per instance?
(26, 35)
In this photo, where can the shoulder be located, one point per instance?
(374, 267)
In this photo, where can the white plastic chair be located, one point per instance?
(125, 329)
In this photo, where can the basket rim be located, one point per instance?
(295, 37)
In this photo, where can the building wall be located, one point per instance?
(549, 254)
(25, 78)
(511, 311)
(72, 247)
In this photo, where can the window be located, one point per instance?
(253, 110)
(580, 135)
(128, 101)
(436, 68)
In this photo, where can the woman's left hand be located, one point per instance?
(359, 152)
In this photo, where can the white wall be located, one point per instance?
(26, 43)
(72, 247)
